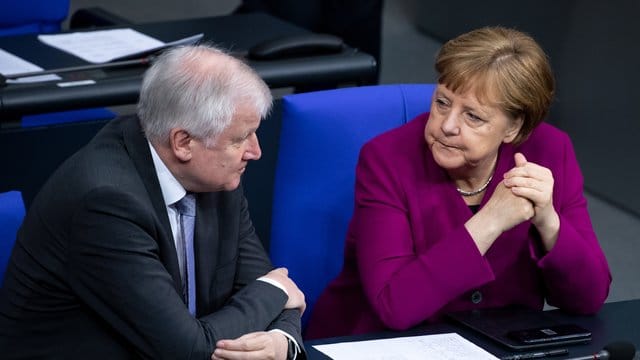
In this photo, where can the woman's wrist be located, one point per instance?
(548, 228)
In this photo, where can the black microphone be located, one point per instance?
(619, 350)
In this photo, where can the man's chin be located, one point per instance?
(232, 185)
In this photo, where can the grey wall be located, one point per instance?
(599, 96)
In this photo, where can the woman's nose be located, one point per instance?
(450, 124)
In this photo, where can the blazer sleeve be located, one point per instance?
(114, 267)
(576, 271)
(403, 284)
(253, 263)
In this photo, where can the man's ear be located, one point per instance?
(513, 130)
(180, 143)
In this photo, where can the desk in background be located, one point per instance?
(616, 321)
(236, 33)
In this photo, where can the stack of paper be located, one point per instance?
(93, 46)
(433, 347)
(11, 64)
(107, 45)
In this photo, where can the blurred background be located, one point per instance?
(593, 46)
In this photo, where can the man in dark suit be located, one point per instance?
(103, 267)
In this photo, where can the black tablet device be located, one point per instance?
(521, 328)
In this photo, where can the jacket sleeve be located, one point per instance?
(404, 284)
(115, 269)
(253, 262)
(576, 272)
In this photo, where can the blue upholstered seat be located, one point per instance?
(11, 214)
(32, 16)
(321, 136)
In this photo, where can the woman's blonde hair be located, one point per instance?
(504, 67)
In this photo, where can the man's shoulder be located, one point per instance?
(104, 161)
(118, 126)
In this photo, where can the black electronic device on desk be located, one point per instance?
(520, 328)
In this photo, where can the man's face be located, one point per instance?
(220, 166)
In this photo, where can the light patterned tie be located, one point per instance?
(186, 207)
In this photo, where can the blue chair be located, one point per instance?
(321, 136)
(11, 214)
(32, 16)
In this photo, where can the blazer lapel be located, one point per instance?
(205, 244)
(138, 149)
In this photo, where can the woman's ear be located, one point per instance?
(180, 143)
(513, 130)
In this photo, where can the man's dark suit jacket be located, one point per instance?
(94, 272)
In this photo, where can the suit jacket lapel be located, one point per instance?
(205, 245)
(138, 149)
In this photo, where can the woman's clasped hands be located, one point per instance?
(535, 183)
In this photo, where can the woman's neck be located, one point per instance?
(471, 185)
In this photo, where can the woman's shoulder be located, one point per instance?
(546, 132)
(547, 145)
(545, 138)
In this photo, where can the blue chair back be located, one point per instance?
(32, 16)
(320, 139)
(64, 117)
(11, 214)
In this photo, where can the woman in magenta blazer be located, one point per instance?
(475, 204)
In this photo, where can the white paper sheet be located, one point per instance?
(449, 346)
(106, 45)
(11, 64)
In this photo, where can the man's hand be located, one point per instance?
(296, 297)
(257, 345)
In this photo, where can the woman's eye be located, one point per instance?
(441, 103)
(474, 117)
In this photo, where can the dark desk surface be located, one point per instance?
(236, 33)
(617, 321)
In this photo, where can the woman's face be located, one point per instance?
(463, 133)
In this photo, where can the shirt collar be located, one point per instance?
(171, 189)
